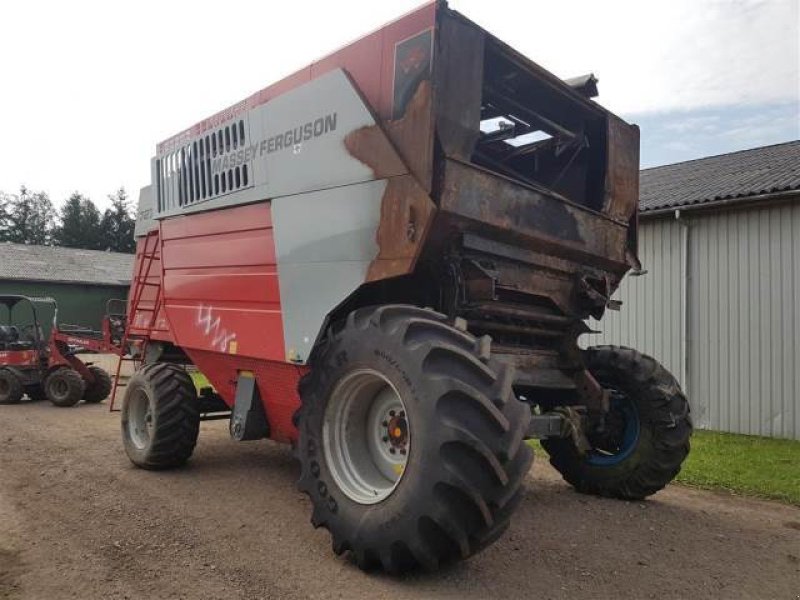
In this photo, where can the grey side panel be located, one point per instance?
(292, 144)
(144, 212)
(324, 242)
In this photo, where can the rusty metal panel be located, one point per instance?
(412, 135)
(406, 215)
(622, 182)
(458, 75)
(406, 208)
(546, 222)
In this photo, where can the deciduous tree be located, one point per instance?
(27, 218)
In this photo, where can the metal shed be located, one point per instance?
(720, 303)
(81, 281)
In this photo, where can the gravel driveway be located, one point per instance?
(78, 521)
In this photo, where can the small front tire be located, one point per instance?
(64, 387)
(11, 389)
(646, 435)
(160, 417)
(100, 388)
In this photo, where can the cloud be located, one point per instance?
(656, 56)
(673, 136)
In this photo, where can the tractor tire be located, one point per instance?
(36, 393)
(411, 440)
(64, 387)
(11, 390)
(647, 432)
(160, 417)
(100, 388)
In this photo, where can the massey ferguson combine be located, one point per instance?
(386, 260)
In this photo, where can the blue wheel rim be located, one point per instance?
(623, 406)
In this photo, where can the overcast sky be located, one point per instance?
(89, 88)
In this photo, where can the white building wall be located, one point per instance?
(719, 307)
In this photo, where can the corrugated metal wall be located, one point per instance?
(740, 362)
(651, 319)
(78, 304)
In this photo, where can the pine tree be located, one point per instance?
(80, 224)
(117, 224)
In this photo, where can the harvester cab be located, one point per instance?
(22, 336)
(386, 259)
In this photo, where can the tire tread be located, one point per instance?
(664, 410)
(482, 425)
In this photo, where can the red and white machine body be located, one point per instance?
(361, 171)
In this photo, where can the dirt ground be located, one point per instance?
(78, 521)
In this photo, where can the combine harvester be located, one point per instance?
(386, 259)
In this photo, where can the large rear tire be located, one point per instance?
(160, 417)
(411, 440)
(11, 389)
(64, 387)
(100, 388)
(646, 437)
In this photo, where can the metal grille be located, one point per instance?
(204, 168)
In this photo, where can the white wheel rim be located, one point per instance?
(366, 436)
(140, 420)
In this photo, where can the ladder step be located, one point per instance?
(150, 252)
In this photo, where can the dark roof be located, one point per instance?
(765, 170)
(64, 265)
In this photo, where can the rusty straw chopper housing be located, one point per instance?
(386, 260)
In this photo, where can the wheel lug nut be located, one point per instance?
(403, 451)
(385, 439)
(392, 450)
(391, 413)
(385, 423)
(402, 413)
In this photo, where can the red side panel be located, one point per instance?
(221, 304)
(19, 358)
(277, 384)
(220, 282)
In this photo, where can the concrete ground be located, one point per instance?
(78, 521)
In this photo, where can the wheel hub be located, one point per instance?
(60, 387)
(614, 439)
(397, 431)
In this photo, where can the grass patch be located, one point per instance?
(745, 464)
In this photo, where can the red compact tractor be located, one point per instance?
(386, 260)
(49, 368)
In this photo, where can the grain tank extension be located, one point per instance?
(386, 259)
